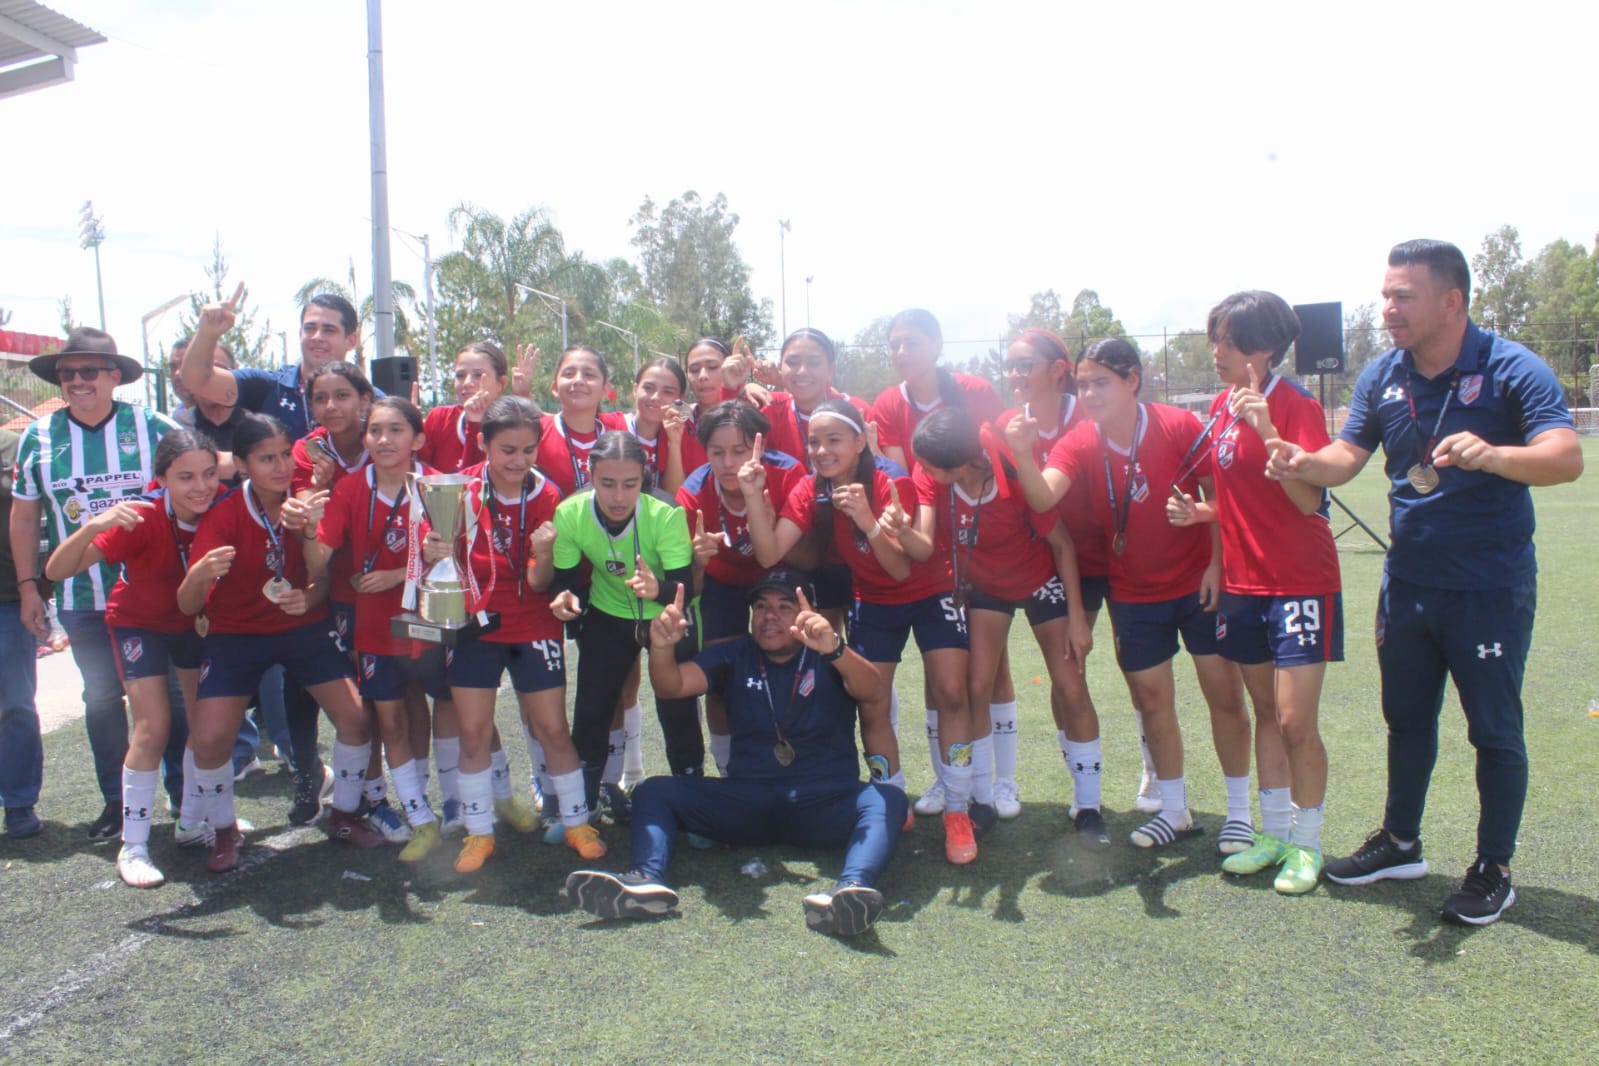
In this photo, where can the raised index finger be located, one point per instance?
(805, 604)
(893, 494)
(760, 445)
(699, 523)
(1254, 378)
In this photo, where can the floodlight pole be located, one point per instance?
(549, 296)
(626, 333)
(382, 276)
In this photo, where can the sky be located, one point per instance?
(950, 155)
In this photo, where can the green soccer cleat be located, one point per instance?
(1264, 853)
(1300, 872)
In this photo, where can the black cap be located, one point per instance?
(784, 580)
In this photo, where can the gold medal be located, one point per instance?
(277, 589)
(202, 624)
(783, 751)
(1118, 543)
(1422, 478)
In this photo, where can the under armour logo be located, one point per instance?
(1306, 638)
(142, 814)
(1393, 392)
(753, 682)
(288, 402)
(1495, 649)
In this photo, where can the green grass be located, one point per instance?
(1037, 952)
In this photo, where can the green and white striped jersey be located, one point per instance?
(78, 472)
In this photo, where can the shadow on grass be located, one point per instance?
(1079, 872)
(59, 842)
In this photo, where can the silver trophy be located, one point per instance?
(441, 614)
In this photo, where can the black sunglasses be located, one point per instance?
(82, 373)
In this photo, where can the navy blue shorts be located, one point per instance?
(1047, 603)
(878, 631)
(1283, 630)
(1096, 590)
(1146, 633)
(835, 587)
(146, 653)
(385, 677)
(534, 665)
(724, 610)
(233, 663)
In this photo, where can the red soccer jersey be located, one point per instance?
(563, 454)
(1269, 547)
(151, 554)
(449, 441)
(693, 454)
(897, 415)
(791, 427)
(872, 583)
(342, 466)
(1002, 550)
(501, 552)
(1162, 561)
(236, 603)
(735, 564)
(363, 525)
(1076, 508)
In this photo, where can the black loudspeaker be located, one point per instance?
(1320, 347)
(394, 375)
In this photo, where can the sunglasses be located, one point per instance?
(82, 373)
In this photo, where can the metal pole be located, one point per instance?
(782, 270)
(433, 332)
(382, 279)
(99, 286)
(1165, 354)
(565, 344)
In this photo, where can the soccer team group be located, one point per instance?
(772, 543)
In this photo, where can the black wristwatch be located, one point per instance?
(837, 653)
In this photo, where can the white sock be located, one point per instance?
(500, 775)
(722, 751)
(1238, 799)
(1276, 812)
(1174, 799)
(1143, 745)
(138, 796)
(421, 767)
(192, 810)
(614, 755)
(375, 789)
(893, 711)
(957, 777)
(1083, 761)
(477, 802)
(569, 794)
(1306, 829)
(413, 794)
(447, 757)
(1002, 716)
(633, 753)
(897, 779)
(349, 774)
(983, 770)
(535, 753)
(932, 744)
(215, 786)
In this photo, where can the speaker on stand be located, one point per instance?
(393, 376)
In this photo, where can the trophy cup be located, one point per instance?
(438, 592)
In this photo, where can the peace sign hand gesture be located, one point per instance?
(219, 316)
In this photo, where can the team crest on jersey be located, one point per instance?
(73, 509)
(274, 558)
(369, 666)
(128, 442)
(1221, 627)
(615, 567)
(502, 539)
(341, 625)
(133, 649)
(1140, 491)
(807, 683)
(965, 537)
(1470, 388)
(1227, 450)
(394, 540)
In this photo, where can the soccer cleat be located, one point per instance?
(1007, 799)
(983, 816)
(252, 767)
(517, 812)
(475, 851)
(451, 823)
(585, 840)
(631, 780)
(1148, 800)
(22, 822)
(1090, 825)
(1483, 897)
(960, 842)
(1158, 832)
(629, 895)
(1378, 859)
(225, 850)
(109, 825)
(312, 788)
(424, 839)
(554, 831)
(347, 827)
(931, 802)
(1263, 854)
(1236, 835)
(387, 821)
(615, 805)
(136, 869)
(848, 910)
(187, 837)
(1300, 872)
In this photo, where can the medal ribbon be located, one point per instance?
(793, 693)
(516, 556)
(579, 477)
(1437, 428)
(1124, 511)
(177, 539)
(274, 532)
(371, 513)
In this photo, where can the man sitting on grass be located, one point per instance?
(791, 689)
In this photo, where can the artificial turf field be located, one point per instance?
(312, 952)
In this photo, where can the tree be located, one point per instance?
(69, 322)
(1364, 339)
(1563, 293)
(864, 368)
(1090, 320)
(1500, 298)
(365, 308)
(1043, 312)
(247, 343)
(692, 270)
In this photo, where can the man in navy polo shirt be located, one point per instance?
(792, 688)
(1467, 422)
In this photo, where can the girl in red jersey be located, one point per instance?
(806, 362)
(1281, 612)
(1163, 580)
(248, 576)
(841, 505)
(511, 564)
(658, 413)
(450, 431)
(915, 342)
(567, 437)
(151, 540)
(338, 396)
(703, 368)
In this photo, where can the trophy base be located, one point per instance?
(412, 626)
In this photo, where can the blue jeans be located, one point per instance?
(863, 819)
(270, 719)
(105, 713)
(177, 740)
(21, 748)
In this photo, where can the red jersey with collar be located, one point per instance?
(1002, 548)
(563, 453)
(692, 454)
(1269, 547)
(236, 603)
(449, 440)
(791, 427)
(146, 594)
(897, 415)
(501, 551)
(1076, 508)
(363, 525)
(343, 466)
(850, 545)
(1162, 561)
(735, 564)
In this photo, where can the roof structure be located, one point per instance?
(38, 46)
